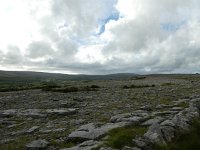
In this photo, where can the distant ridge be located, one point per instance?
(21, 76)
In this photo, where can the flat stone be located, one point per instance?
(152, 121)
(69, 111)
(32, 113)
(106, 148)
(130, 148)
(87, 145)
(168, 123)
(7, 122)
(147, 108)
(8, 113)
(176, 108)
(68, 104)
(53, 130)
(37, 145)
(164, 113)
(135, 117)
(93, 131)
(33, 129)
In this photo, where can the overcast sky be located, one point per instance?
(100, 36)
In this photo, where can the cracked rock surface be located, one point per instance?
(37, 119)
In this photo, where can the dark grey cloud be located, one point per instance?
(38, 49)
(13, 56)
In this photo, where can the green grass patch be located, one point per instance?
(18, 143)
(62, 144)
(183, 104)
(165, 101)
(187, 141)
(120, 137)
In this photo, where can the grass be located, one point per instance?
(187, 141)
(62, 144)
(120, 137)
(16, 144)
(183, 104)
(165, 101)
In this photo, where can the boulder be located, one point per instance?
(154, 134)
(142, 142)
(181, 123)
(168, 133)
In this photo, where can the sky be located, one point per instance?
(100, 36)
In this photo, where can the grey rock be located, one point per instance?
(16, 125)
(135, 117)
(168, 123)
(17, 133)
(161, 106)
(176, 108)
(130, 148)
(37, 145)
(52, 130)
(70, 111)
(8, 113)
(7, 122)
(32, 113)
(154, 134)
(106, 148)
(87, 145)
(33, 129)
(5, 141)
(164, 113)
(181, 123)
(147, 108)
(142, 142)
(168, 133)
(93, 131)
(68, 104)
(152, 121)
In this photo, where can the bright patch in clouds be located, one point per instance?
(99, 37)
(90, 54)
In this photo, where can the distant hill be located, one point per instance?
(28, 76)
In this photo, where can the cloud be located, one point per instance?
(13, 56)
(38, 49)
(107, 36)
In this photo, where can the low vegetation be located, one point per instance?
(187, 141)
(71, 88)
(120, 137)
(137, 86)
